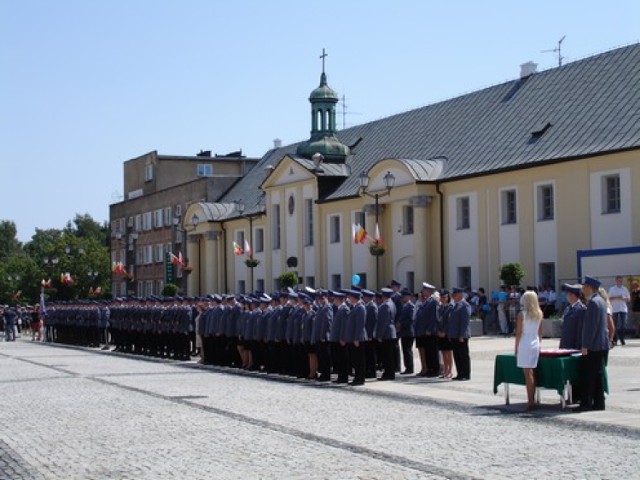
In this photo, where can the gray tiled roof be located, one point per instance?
(592, 106)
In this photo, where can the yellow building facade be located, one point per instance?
(480, 181)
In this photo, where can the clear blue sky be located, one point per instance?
(87, 85)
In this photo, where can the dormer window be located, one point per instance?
(540, 130)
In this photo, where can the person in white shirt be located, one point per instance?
(619, 297)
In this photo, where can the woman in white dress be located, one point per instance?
(528, 335)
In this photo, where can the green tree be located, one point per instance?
(170, 290)
(512, 274)
(288, 279)
(9, 243)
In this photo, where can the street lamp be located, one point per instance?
(389, 181)
(241, 208)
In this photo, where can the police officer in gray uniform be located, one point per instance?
(572, 318)
(386, 334)
(595, 344)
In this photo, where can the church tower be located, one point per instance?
(323, 124)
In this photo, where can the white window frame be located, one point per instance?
(258, 240)
(276, 234)
(308, 222)
(609, 190)
(408, 220)
(148, 172)
(147, 221)
(204, 170)
(543, 192)
(508, 215)
(463, 213)
(334, 228)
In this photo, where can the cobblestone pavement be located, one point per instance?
(79, 414)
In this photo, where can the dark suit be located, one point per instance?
(572, 320)
(596, 340)
(407, 334)
(459, 335)
(386, 333)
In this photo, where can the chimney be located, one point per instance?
(277, 143)
(528, 69)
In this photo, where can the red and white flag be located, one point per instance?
(247, 247)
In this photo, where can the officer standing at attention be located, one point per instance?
(459, 333)
(356, 336)
(595, 344)
(386, 334)
(370, 344)
(572, 318)
(406, 330)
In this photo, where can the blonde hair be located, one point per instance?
(530, 305)
(603, 293)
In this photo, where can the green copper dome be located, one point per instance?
(329, 146)
(324, 91)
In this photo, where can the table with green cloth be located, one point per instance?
(559, 373)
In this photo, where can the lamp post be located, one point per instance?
(389, 181)
(241, 208)
(194, 224)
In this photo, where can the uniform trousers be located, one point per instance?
(370, 358)
(592, 380)
(324, 360)
(388, 358)
(432, 357)
(407, 353)
(358, 361)
(461, 357)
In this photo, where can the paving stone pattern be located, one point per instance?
(74, 414)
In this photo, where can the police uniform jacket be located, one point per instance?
(594, 328)
(322, 323)
(405, 320)
(385, 326)
(459, 321)
(371, 319)
(572, 321)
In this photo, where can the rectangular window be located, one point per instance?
(308, 222)
(168, 248)
(139, 255)
(509, 207)
(148, 254)
(205, 170)
(611, 194)
(260, 284)
(166, 217)
(178, 210)
(548, 274)
(157, 218)
(140, 289)
(464, 277)
(159, 252)
(276, 227)
(138, 223)
(463, 219)
(310, 282)
(276, 284)
(407, 220)
(240, 238)
(148, 172)
(147, 221)
(545, 202)
(336, 281)
(242, 286)
(359, 218)
(334, 228)
(258, 240)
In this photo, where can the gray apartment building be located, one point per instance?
(145, 225)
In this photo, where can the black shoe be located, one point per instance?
(384, 378)
(323, 378)
(407, 372)
(357, 383)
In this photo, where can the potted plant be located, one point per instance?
(252, 262)
(288, 279)
(512, 274)
(376, 248)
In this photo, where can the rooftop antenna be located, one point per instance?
(557, 50)
(343, 102)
